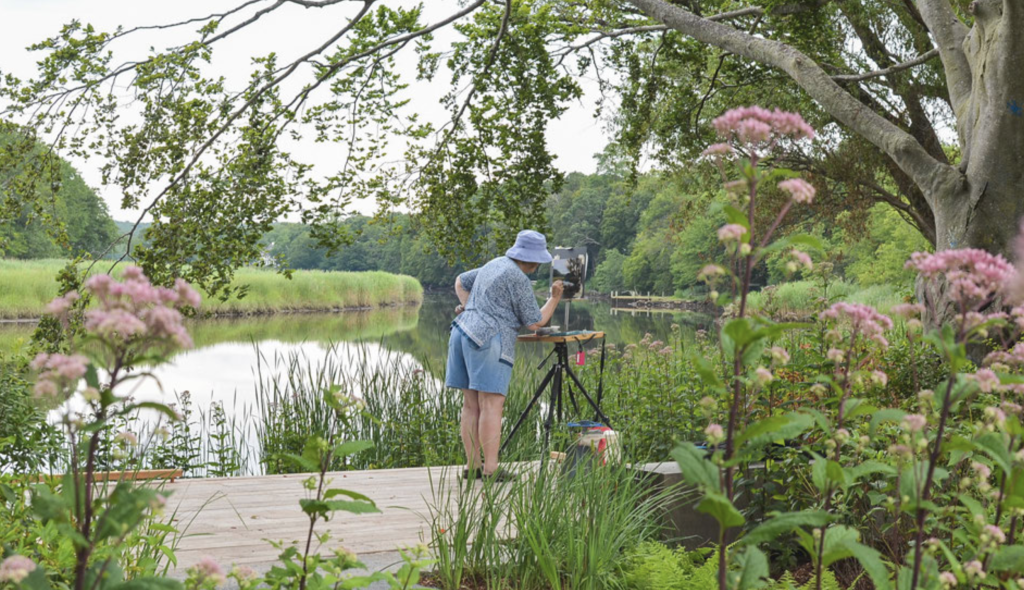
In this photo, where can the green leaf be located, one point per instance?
(995, 447)
(352, 447)
(818, 473)
(302, 462)
(719, 507)
(775, 428)
(92, 377)
(695, 467)
(783, 523)
(972, 505)
(886, 415)
(836, 474)
(1008, 558)
(753, 569)
(162, 408)
(312, 507)
(36, 580)
(837, 540)
(871, 561)
(734, 215)
(870, 468)
(335, 492)
(351, 506)
(857, 407)
(707, 370)
(739, 331)
(752, 353)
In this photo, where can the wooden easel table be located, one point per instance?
(555, 377)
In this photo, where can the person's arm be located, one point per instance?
(463, 285)
(548, 309)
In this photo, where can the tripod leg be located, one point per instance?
(556, 398)
(583, 390)
(522, 417)
(572, 399)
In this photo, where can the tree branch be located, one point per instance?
(886, 71)
(926, 171)
(949, 35)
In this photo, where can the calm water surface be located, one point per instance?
(232, 355)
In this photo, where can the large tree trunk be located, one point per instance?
(985, 213)
(976, 205)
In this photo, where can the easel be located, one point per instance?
(556, 378)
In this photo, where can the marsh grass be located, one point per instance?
(548, 529)
(26, 286)
(208, 441)
(411, 418)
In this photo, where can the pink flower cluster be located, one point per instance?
(207, 569)
(863, 319)
(731, 232)
(974, 275)
(799, 189)
(135, 309)
(16, 568)
(757, 125)
(57, 373)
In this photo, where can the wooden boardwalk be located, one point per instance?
(232, 519)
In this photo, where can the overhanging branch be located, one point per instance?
(949, 35)
(910, 156)
(890, 70)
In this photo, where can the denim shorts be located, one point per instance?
(479, 368)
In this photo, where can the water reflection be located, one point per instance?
(223, 366)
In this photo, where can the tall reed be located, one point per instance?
(412, 419)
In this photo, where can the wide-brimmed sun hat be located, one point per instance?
(530, 246)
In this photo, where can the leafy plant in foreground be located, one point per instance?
(133, 324)
(942, 492)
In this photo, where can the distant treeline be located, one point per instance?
(67, 202)
(394, 247)
(653, 234)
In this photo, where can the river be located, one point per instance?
(224, 361)
(233, 356)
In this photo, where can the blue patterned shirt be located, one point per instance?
(501, 301)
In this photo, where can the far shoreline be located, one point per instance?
(27, 286)
(238, 314)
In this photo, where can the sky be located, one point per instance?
(573, 139)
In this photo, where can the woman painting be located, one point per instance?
(496, 301)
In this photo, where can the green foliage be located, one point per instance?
(572, 529)
(787, 582)
(396, 246)
(26, 439)
(51, 213)
(653, 566)
(609, 277)
(878, 258)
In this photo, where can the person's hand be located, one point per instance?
(459, 309)
(557, 288)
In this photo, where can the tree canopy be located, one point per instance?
(212, 163)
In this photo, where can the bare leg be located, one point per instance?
(471, 428)
(491, 406)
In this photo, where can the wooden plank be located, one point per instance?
(231, 519)
(585, 337)
(116, 476)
